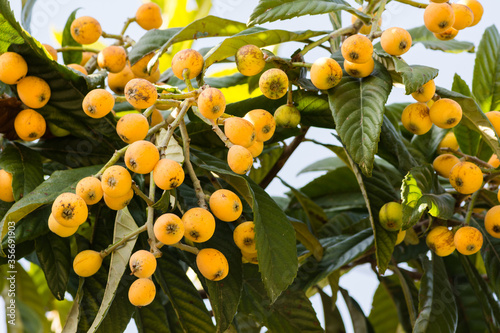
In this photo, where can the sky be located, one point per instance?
(50, 15)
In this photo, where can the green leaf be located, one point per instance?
(54, 254)
(257, 36)
(396, 287)
(437, 307)
(384, 315)
(345, 223)
(124, 225)
(267, 159)
(338, 251)
(185, 299)
(486, 78)
(359, 321)
(308, 239)
(490, 252)
(428, 143)
(274, 234)
(273, 10)
(358, 109)
(209, 26)
(343, 178)
(45, 193)
(25, 165)
(152, 318)
(326, 164)
(74, 57)
(460, 86)
(26, 11)
(292, 312)
(429, 41)
(421, 191)
(333, 319)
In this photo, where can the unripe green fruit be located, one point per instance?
(287, 116)
(391, 216)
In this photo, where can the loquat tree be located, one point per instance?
(133, 184)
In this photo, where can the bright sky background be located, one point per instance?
(50, 15)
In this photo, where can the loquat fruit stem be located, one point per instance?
(150, 220)
(407, 294)
(116, 156)
(185, 75)
(113, 36)
(469, 158)
(76, 48)
(187, 248)
(176, 121)
(289, 97)
(301, 64)
(470, 207)
(413, 3)
(141, 194)
(122, 241)
(193, 93)
(126, 25)
(148, 111)
(165, 104)
(187, 162)
(220, 134)
(376, 19)
(91, 64)
(342, 31)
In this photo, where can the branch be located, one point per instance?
(413, 3)
(342, 31)
(186, 248)
(470, 158)
(117, 37)
(116, 156)
(283, 158)
(470, 207)
(376, 20)
(220, 134)
(127, 23)
(77, 48)
(122, 241)
(151, 213)
(141, 194)
(180, 117)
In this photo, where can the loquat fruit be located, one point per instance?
(98, 103)
(70, 210)
(477, 9)
(439, 17)
(444, 163)
(118, 203)
(59, 229)
(492, 221)
(239, 159)
(86, 57)
(50, 50)
(256, 148)
(90, 190)
(239, 131)
(468, 240)
(6, 191)
(449, 141)
(273, 83)
(326, 73)
(357, 49)
(87, 263)
(142, 264)
(391, 216)
(141, 157)
(211, 103)
(169, 229)
(463, 16)
(13, 68)
(86, 30)
(466, 177)
(401, 237)
(494, 161)
(287, 116)
(156, 117)
(425, 92)
(78, 68)
(188, 59)
(118, 81)
(132, 127)
(212, 264)
(116, 181)
(250, 60)
(142, 292)
(225, 205)
(140, 68)
(168, 174)
(494, 118)
(440, 240)
(148, 16)
(29, 125)
(250, 258)
(140, 93)
(359, 70)
(416, 119)
(244, 237)
(112, 58)
(449, 34)
(445, 113)
(396, 41)
(263, 122)
(199, 225)
(33, 92)
(365, 29)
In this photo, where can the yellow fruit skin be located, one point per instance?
(112, 58)
(168, 174)
(70, 210)
(118, 203)
(244, 237)
(365, 29)
(141, 157)
(494, 161)
(449, 34)
(29, 125)
(142, 264)
(33, 91)
(357, 49)
(187, 59)
(492, 221)
(463, 16)
(225, 205)
(142, 292)
(425, 92)
(359, 70)
(287, 116)
(116, 181)
(449, 141)
(476, 7)
(52, 51)
(212, 264)
(494, 118)
(415, 118)
(396, 41)
(263, 122)
(239, 131)
(439, 17)
(6, 192)
(86, 57)
(86, 30)
(140, 93)
(132, 127)
(59, 229)
(169, 229)
(78, 68)
(326, 73)
(444, 163)
(199, 225)
(98, 103)
(273, 83)
(87, 263)
(466, 177)
(468, 240)
(250, 60)
(250, 258)
(140, 68)
(401, 237)
(239, 159)
(440, 240)
(90, 190)
(445, 113)
(391, 216)
(256, 148)
(156, 117)
(13, 68)
(148, 16)
(211, 103)
(118, 81)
